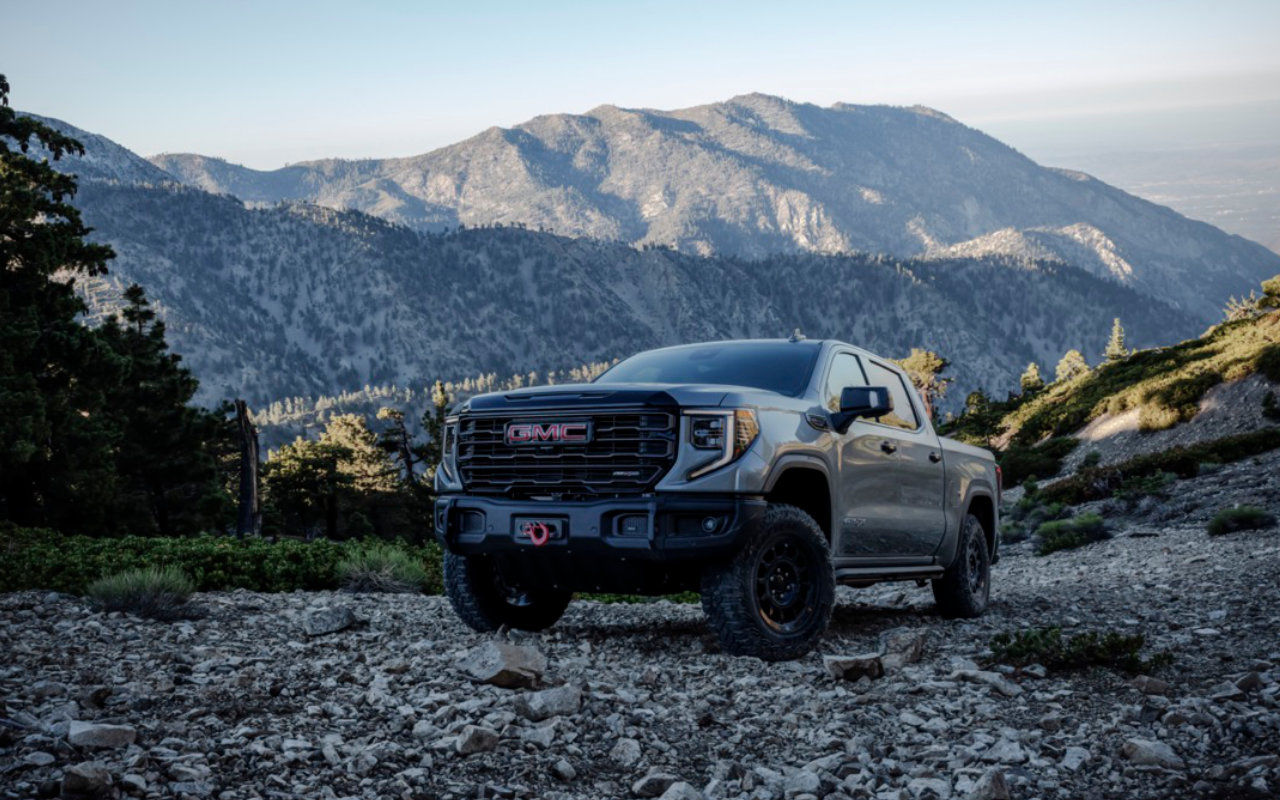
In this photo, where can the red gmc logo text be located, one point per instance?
(548, 432)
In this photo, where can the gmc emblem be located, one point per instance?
(547, 433)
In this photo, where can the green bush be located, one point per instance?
(1020, 463)
(154, 592)
(1050, 649)
(1099, 483)
(380, 567)
(43, 559)
(1132, 489)
(1240, 518)
(1068, 534)
(1022, 519)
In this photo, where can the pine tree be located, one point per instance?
(925, 368)
(55, 445)
(1115, 345)
(1031, 380)
(433, 424)
(1071, 366)
(168, 471)
(303, 487)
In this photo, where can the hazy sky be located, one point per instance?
(269, 83)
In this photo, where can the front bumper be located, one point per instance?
(656, 527)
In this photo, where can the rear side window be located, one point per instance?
(845, 371)
(903, 414)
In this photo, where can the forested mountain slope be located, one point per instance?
(303, 300)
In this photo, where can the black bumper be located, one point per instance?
(658, 527)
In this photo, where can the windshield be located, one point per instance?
(781, 367)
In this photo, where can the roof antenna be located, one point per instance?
(796, 336)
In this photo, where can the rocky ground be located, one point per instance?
(251, 700)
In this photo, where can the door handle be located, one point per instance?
(888, 446)
(935, 456)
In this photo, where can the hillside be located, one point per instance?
(298, 300)
(759, 175)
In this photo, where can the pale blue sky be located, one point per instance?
(270, 83)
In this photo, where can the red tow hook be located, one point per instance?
(539, 533)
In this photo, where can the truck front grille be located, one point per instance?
(628, 453)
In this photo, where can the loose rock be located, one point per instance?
(1151, 753)
(504, 664)
(97, 734)
(86, 781)
(560, 701)
(319, 621)
(851, 668)
(475, 739)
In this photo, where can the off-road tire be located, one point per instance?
(478, 596)
(964, 590)
(737, 595)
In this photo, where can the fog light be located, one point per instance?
(633, 525)
(709, 524)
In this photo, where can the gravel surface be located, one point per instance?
(243, 702)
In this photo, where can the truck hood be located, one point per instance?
(602, 395)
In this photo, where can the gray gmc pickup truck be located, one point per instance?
(758, 473)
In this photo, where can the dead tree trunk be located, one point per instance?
(249, 520)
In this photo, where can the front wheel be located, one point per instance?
(485, 602)
(965, 588)
(774, 598)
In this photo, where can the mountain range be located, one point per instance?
(759, 175)
(275, 296)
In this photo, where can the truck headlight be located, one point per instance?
(449, 447)
(727, 432)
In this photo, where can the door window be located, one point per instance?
(845, 371)
(903, 414)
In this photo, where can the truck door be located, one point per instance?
(866, 482)
(918, 520)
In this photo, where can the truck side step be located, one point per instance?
(866, 576)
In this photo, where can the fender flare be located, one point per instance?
(790, 460)
(976, 489)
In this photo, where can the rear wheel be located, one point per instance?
(485, 602)
(965, 588)
(774, 598)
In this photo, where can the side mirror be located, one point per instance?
(861, 401)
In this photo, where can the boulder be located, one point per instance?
(1148, 752)
(995, 680)
(86, 781)
(901, 646)
(653, 784)
(563, 770)
(851, 668)
(991, 786)
(1149, 685)
(560, 701)
(1074, 758)
(504, 664)
(681, 791)
(328, 619)
(475, 739)
(97, 734)
(625, 752)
